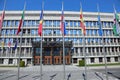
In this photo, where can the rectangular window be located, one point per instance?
(16, 23)
(37, 51)
(54, 23)
(1, 61)
(71, 24)
(108, 59)
(58, 23)
(92, 60)
(100, 59)
(8, 23)
(10, 61)
(74, 60)
(4, 23)
(28, 61)
(116, 59)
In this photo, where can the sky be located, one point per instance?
(69, 5)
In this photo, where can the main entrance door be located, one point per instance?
(51, 55)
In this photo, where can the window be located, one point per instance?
(75, 24)
(10, 61)
(4, 23)
(8, 23)
(25, 23)
(29, 23)
(58, 23)
(37, 51)
(92, 60)
(16, 23)
(76, 50)
(71, 24)
(86, 23)
(116, 59)
(33, 23)
(50, 23)
(100, 59)
(1, 61)
(54, 23)
(28, 61)
(74, 60)
(108, 59)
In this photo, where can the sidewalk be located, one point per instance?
(33, 73)
(103, 67)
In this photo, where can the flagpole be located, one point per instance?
(41, 46)
(116, 22)
(1, 26)
(4, 5)
(41, 59)
(85, 57)
(105, 60)
(2, 16)
(63, 26)
(8, 52)
(64, 58)
(20, 46)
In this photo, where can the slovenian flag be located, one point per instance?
(40, 24)
(63, 23)
(82, 25)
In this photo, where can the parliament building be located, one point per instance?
(52, 49)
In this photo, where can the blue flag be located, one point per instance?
(15, 47)
(100, 31)
(65, 27)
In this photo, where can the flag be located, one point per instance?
(1, 19)
(65, 27)
(15, 47)
(100, 31)
(63, 23)
(2, 44)
(82, 25)
(116, 27)
(40, 24)
(21, 22)
(9, 44)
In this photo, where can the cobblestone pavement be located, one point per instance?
(52, 71)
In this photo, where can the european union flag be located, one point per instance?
(15, 47)
(100, 27)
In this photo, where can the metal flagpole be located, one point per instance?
(2, 16)
(63, 44)
(41, 47)
(41, 59)
(20, 46)
(1, 29)
(117, 23)
(105, 60)
(85, 57)
(4, 5)
(63, 57)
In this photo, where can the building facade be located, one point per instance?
(51, 32)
